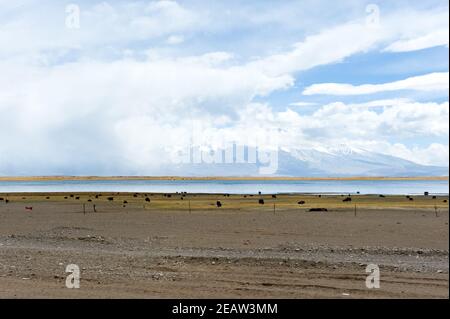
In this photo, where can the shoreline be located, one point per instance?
(216, 178)
(129, 193)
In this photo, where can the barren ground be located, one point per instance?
(161, 249)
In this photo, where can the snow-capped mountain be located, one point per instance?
(316, 162)
(351, 162)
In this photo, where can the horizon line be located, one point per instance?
(205, 178)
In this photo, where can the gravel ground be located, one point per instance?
(132, 252)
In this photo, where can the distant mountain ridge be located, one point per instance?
(352, 163)
(342, 162)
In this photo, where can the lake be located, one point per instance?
(401, 187)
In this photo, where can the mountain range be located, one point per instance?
(312, 162)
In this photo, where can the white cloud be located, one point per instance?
(385, 102)
(138, 119)
(334, 44)
(128, 106)
(427, 82)
(102, 25)
(435, 154)
(122, 103)
(430, 40)
(175, 39)
(410, 119)
(329, 46)
(302, 104)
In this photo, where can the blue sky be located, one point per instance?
(115, 87)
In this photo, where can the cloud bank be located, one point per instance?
(131, 86)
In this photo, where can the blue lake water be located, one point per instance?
(231, 187)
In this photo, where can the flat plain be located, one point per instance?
(185, 246)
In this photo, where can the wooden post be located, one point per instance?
(355, 210)
(95, 210)
(84, 209)
(274, 208)
(436, 210)
(189, 207)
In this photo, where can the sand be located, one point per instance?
(161, 249)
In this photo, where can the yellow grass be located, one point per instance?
(234, 202)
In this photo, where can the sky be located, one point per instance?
(118, 87)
